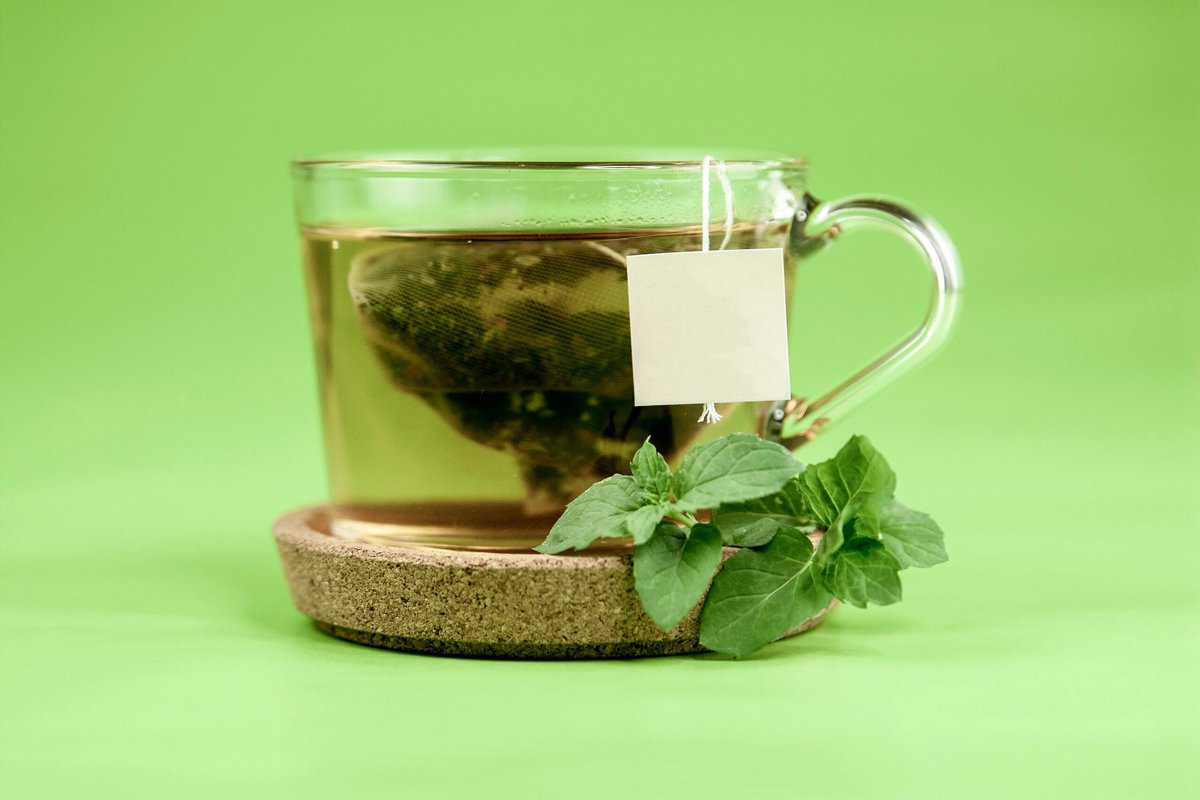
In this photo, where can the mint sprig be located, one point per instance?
(762, 594)
(736, 467)
(863, 573)
(651, 472)
(672, 570)
(602, 510)
(853, 486)
(755, 522)
(762, 502)
(913, 538)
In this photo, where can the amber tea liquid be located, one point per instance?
(472, 383)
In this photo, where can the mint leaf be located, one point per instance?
(912, 538)
(761, 594)
(856, 482)
(737, 467)
(863, 572)
(651, 471)
(599, 512)
(753, 523)
(671, 571)
(748, 530)
(760, 500)
(641, 523)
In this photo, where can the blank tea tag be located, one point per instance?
(708, 327)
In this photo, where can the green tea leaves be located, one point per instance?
(864, 572)
(650, 470)
(913, 538)
(600, 511)
(672, 570)
(731, 469)
(759, 595)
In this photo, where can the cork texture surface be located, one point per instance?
(460, 603)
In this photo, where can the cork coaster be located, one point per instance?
(470, 603)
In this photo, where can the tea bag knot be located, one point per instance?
(710, 415)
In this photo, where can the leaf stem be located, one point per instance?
(682, 517)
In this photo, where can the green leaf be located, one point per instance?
(641, 523)
(599, 512)
(731, 469)
(651, 471)
(671, 571)
(912, 538)
(761, 594)
(753, 523)
(748, 530)
(857, 482)
(864, 572)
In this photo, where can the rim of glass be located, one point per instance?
(403, 162)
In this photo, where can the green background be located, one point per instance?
(158, 403)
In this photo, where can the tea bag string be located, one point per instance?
(709, 414)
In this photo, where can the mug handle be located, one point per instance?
(797, 421)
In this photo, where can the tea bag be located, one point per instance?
(521, 345)
(731, 344)
(497, 316)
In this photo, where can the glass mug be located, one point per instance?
(470, 320)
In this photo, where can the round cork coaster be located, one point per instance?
(470, 603)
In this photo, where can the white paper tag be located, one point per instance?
(708, 327)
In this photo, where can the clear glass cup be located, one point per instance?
(470, 320)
